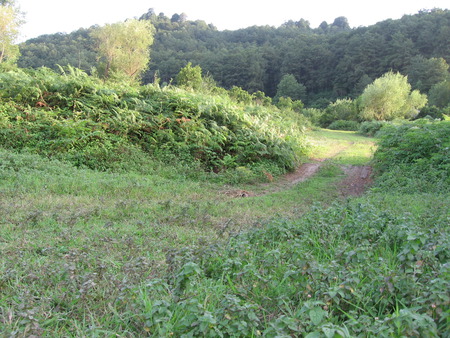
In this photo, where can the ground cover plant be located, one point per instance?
(139, 248)
(373, 266)
(75, 241)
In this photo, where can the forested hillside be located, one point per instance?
(331, 61)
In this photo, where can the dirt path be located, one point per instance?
(357, 179)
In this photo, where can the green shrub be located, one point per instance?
(344, 125)
(431, 112)
(370, 128)
(421, 142)
(313, 115)
(78, 117)
(342, 109)
(352, 269)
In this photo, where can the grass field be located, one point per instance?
(86, 253)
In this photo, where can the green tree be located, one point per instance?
(124, 47)
(390, 97)
(440, 94)
(341, 109)
(10, 21)
(425, 73)
(190, 77)
(260, 98)
(290, 87)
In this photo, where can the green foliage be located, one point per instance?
(190, 77)
(76, 49)
(331, 61)
(344, 125)
(240, 95)
(390, 97)
(341, 109)
(313, 115)
(260, 98)
(424, 73)
(370, 128)
(310, 276)
(289, 87)
(89, 253)
(432, 112)
(77, 117)
(365, 267)
(440, 94)
(422, 143)
(10, 22)
(286, 103)
(124, 47)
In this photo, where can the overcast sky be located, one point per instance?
(52, 16)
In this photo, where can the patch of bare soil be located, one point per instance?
(302, 173)
(357, 179)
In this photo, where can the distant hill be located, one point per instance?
(332, 60)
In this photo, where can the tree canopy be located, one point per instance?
(332, 61)
(190, 77)
(390, 97)
(124, 47)
(10, 22)
(290, 87)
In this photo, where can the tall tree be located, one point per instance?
(10, 21)
(124, 47)
(424, 73)
(440, 94)
(390, 97)
(290, 87)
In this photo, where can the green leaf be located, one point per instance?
(317, 314)
(314, 334)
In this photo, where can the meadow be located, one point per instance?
(99, 239)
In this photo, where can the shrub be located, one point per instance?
(431, 112)
(313, 115)
(370, 128)
(343, 109)
(76, 116)
(420, 143)
(344, 125)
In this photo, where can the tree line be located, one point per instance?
(332, 61)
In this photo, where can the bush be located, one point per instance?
(370, 128)
(421, 143)
(431, 112)
(345, 109)
(78, 117)
(313, 115)
(344, 125)
(291, 278)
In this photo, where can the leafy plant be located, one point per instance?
(344, 125)
(91, 123)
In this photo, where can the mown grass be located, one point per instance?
(345, 147)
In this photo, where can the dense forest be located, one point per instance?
(330, 62)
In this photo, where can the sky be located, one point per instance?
(65, 16)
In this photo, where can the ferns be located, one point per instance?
(72, 115)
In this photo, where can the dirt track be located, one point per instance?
(357, 179)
